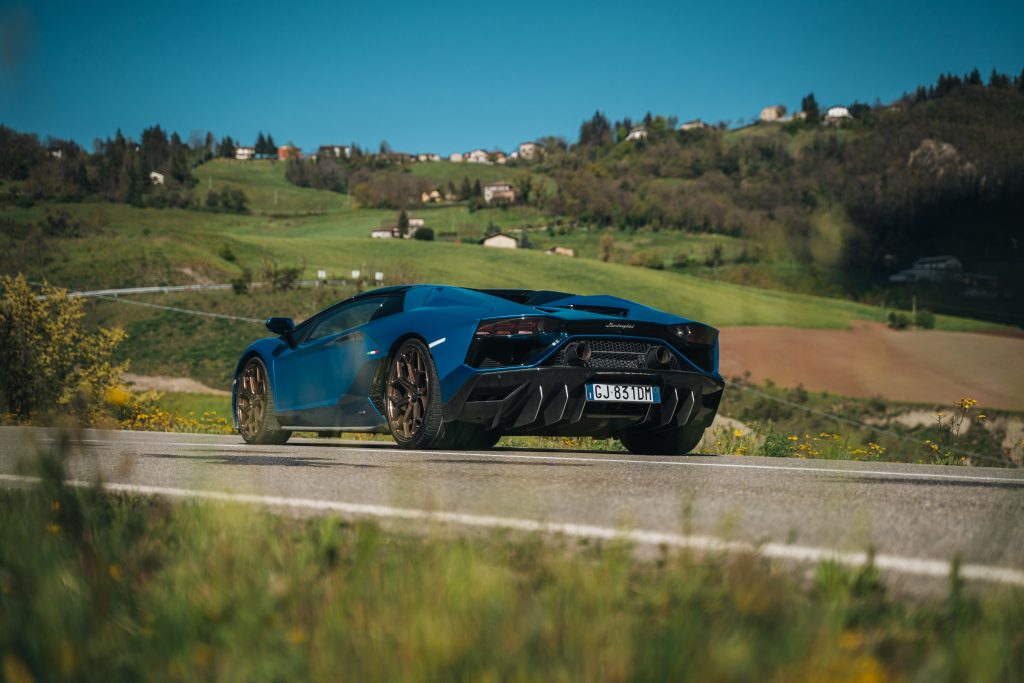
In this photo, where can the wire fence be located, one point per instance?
(175, 309)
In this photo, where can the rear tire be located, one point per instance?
(677, 441)
(412, 398)
(254, 406)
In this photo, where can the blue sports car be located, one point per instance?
(448, 367)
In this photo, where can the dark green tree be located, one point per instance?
(809, 106)
(403, 223)
(596, 132)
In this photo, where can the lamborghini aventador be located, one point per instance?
(441, 367)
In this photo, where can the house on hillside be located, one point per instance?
(931, 269)
(156, 178)
(428, 157)
(499, 157)
(286, 152)
(336, 151)
(478, 156)
(638, 133)
(836, 115)
(776, 112)
(500, 241)
(529, 150)
(456, 157)
(561, 251)
(696, 124)
(432, 197)
(500, 190)
(245, 153)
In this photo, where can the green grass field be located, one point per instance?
(99, 587)
(266, 187)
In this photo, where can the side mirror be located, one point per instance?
(283, 327)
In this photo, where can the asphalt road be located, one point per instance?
(916, 518)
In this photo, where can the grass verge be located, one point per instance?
(99, 587)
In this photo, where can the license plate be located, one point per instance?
(623, 393)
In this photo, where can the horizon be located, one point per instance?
(460, 77)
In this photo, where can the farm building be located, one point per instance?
(499, 190)
(638, 133)
(776, 112)
(529, 150)
(286, 152)
(500, 241)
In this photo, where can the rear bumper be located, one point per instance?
(552, 401)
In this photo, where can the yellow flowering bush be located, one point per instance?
(51, 363)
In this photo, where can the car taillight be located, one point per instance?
(694, 333)
(512, 327)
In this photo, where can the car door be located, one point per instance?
(312, 377)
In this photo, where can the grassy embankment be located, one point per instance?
(95, 587)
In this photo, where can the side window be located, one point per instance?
(345, 318)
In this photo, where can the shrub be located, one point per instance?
(49, 361)
(226, 253)
(776, 446)
(925, 319)
(426, 234)
(898, 320)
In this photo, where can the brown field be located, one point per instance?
(871, 360)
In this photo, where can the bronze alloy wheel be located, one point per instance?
(254, 406)
(251, 402)
(408, 391)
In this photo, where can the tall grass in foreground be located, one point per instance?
(111, 588)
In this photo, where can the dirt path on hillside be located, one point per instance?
(870, 359)
(164, 383)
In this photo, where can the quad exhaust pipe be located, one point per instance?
(658, 357)
(578, 354)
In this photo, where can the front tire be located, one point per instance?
(254, 406)
(677, 441)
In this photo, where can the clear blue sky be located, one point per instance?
(452, 76)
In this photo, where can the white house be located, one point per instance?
(837, 115)
(382, 233)
(638, 133)
(499, 157)
(156, 178)
(529, 150)
(931, 269)
(776, 112)
(416, 224)
(336, 151)
(499, 190)
(478, 156)
(456, 157)
(245, 153)
(696, 124)
(500, 241)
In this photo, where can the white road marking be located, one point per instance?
(442, 340)
(779, 551)
(556, 458)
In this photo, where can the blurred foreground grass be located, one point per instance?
(109, 588)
